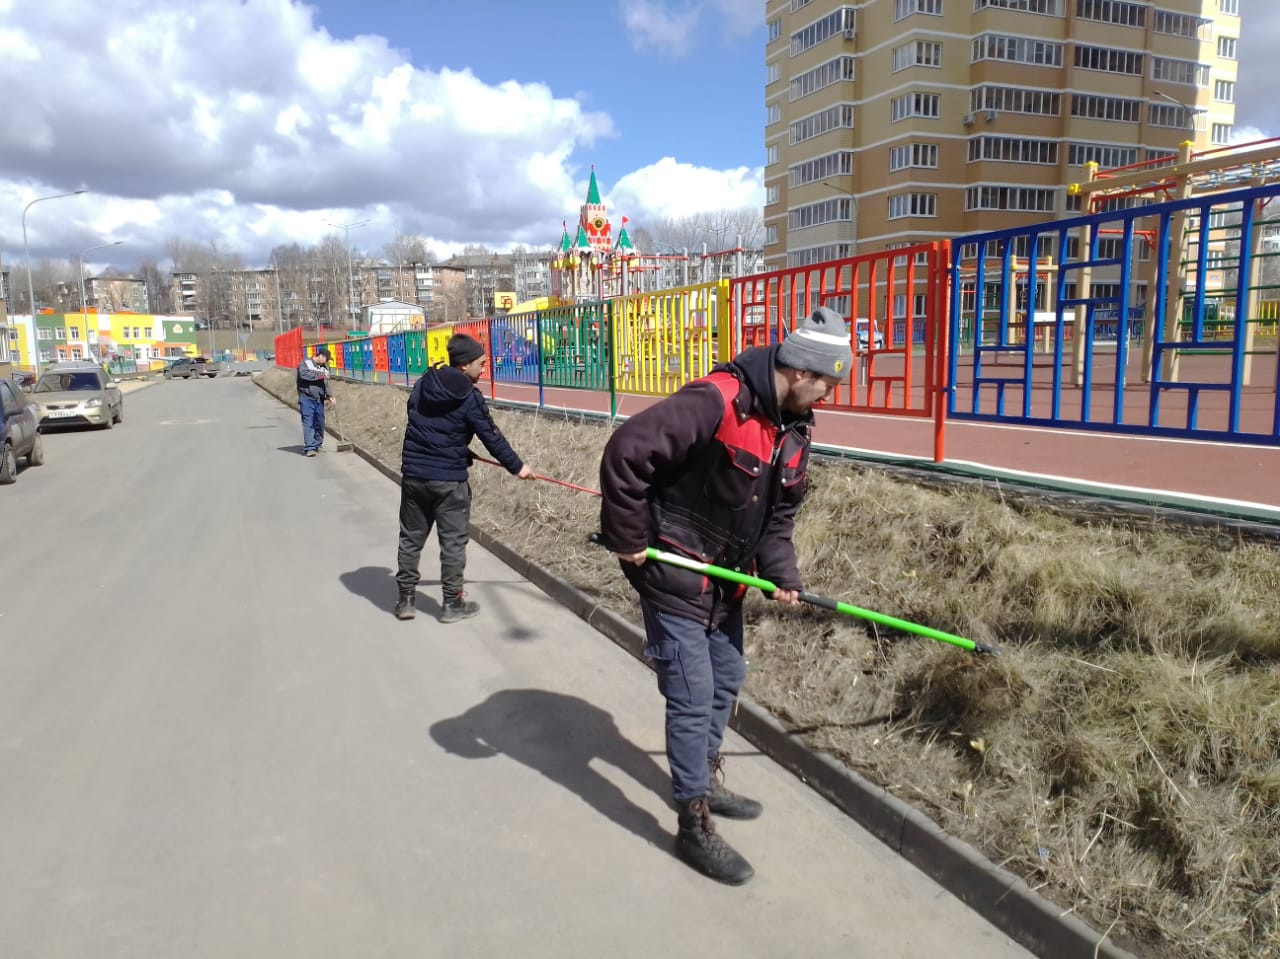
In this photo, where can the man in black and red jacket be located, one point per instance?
(715, 472)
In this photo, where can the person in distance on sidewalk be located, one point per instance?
(715, 472)
(313, 394)
(445, 412)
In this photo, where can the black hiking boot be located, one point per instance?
(722, 802)
(701, 847)
(404, 606)
(458, 608)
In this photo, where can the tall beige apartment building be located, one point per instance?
(892, 122)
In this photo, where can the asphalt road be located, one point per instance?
(215, 741)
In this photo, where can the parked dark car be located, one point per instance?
(19, 432)
(190, 366)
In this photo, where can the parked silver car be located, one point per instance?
(19, 431)
(78, 395)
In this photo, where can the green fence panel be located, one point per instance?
(575, 346)
(415, 348)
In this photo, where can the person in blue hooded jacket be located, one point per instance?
(445, 412)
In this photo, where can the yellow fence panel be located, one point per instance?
(664, 339)
(438, 345)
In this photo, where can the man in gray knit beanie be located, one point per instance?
(819, 345)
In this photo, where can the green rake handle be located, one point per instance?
(848, 609)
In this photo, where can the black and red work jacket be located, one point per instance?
(714, 472)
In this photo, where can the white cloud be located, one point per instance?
(180, 127)
(673, 28)
(1247, 134)
(672, 189)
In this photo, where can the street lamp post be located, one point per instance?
(346, 229)
(31, 290)
(857, 215)
(1192, 111)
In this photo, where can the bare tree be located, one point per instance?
(329, 280)
(718, 229)
(159, 288)
(407, 249)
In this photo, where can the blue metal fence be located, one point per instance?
(1046, 299)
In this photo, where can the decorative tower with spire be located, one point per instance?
(589, 265)
(594, 222)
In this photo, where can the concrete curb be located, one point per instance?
(1003, 899)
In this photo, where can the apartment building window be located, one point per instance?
(1028, 199)
(1227, 47)
(1013, 150)
(1177, 24)
(1221, 133)
(839, 163)
(775, 29)
(773, 114)
(841, 23)
(771, 154)
(1109, 61)
(1105, 155)
(775, 72)
(913, 204)
(816, 214)
(1118, 12)
(1161, 154)
(74, 332)
(1170, 115)
(817, 124)
(921, 258)
(1015, 100)
(1044, 247)
(914, 105)
(992, 46)
(44, 334)
(917, 53)
(1224, 91)
(1230, 7)
(60, 334)
(1180, 71)
(770, 235)
(818, 254)
(1106, 108)
(914, 155)
(823, 75)
(905, 8)
(770, 195)
(1052, 8)
(797, 4)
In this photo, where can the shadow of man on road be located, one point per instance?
(559, 736)
(377, 584)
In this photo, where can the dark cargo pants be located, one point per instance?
(447, 506)
(700, 672)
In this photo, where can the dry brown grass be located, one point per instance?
(1123, 755)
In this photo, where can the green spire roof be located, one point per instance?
(564, 241)
(593, 191)
(624, 242)
(582, 242)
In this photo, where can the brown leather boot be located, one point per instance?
(701, 846)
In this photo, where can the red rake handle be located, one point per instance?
(545, 479)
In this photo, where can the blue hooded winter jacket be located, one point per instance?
(445, 412)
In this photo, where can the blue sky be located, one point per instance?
(696, 92)
(248, 123)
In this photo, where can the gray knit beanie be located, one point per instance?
(820, 345)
